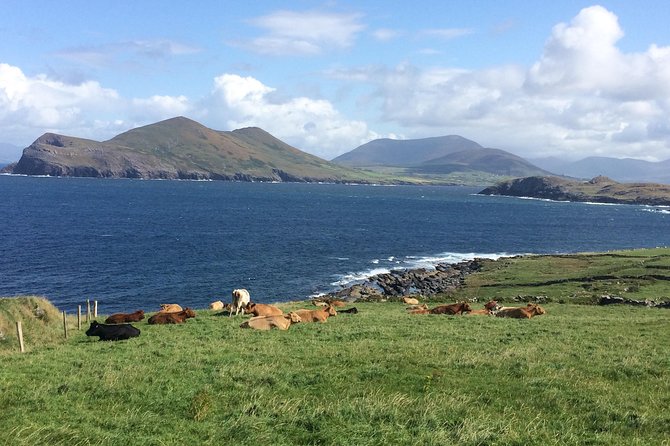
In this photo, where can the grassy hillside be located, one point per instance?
(580, 374)
(182, 148)
(641, 274)
(577, 375)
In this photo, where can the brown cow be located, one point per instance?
(282, 322)
(120, 318)
(489, 308)
(320, 315)
(170, 308)
(171, 318)
(521, 312)
(452, 309)
(262, 310)
(216, 305)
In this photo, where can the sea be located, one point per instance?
(134, 244)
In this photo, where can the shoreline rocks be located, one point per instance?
(397, 283)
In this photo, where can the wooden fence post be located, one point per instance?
(78, 317)
(19, 333)
(95, 309)
(88, 310)
(65, 324)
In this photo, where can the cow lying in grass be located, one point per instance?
(521, 312)
(170, 308)
(451, 309)
(490, 308)
(112, 332)
(320, 315)
(281, 322)
(119, 318)
(262, 310)
(171, 318)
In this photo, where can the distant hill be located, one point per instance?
(623, 170)
(443, 156)
(404, 153)
(180, 148)
(494, 161)
(598, 190)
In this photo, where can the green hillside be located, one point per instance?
(180, 148)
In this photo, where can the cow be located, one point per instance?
(352, 310)
(417, 307)
(119, 318)
(240, 299)
(216, 305)
(337, 303)
(410, 301)
(112, 332)
(451, 309)
(319, 303)
(262, 310)
(282, 322)
(320, 315)
(171, 318)
(170, 308)
(490, 308)
(521, 312)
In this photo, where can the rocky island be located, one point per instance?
(597, 190)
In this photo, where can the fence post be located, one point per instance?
(88, 310)
(95, 309)
(78, 317)
(65, 324)
(19, 333)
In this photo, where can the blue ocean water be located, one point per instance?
(133, 244)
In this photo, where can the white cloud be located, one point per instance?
(313, 125)
(31, 106)
(583, 96)
(304, 33)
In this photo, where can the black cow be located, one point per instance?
(112, 332)
(352, 310)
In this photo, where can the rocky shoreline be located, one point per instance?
(398, 283)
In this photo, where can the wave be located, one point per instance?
(393, 263)
(657, 211)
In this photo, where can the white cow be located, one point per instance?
(240, 299)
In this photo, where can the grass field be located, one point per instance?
(579, 375)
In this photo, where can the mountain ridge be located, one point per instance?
(180, 148)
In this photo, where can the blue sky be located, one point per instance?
(568, 79)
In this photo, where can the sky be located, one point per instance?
(567, 79)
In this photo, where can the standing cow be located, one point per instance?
(240, 299)
(115, 332)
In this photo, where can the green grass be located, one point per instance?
(642, 274)
(577, 375)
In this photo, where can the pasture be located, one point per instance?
(577, 375)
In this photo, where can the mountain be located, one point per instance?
(598, 190)
(494, 161)
(404, 153)
(184, 149)
(624, 170)
(446, 157)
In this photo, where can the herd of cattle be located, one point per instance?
(266, 317)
